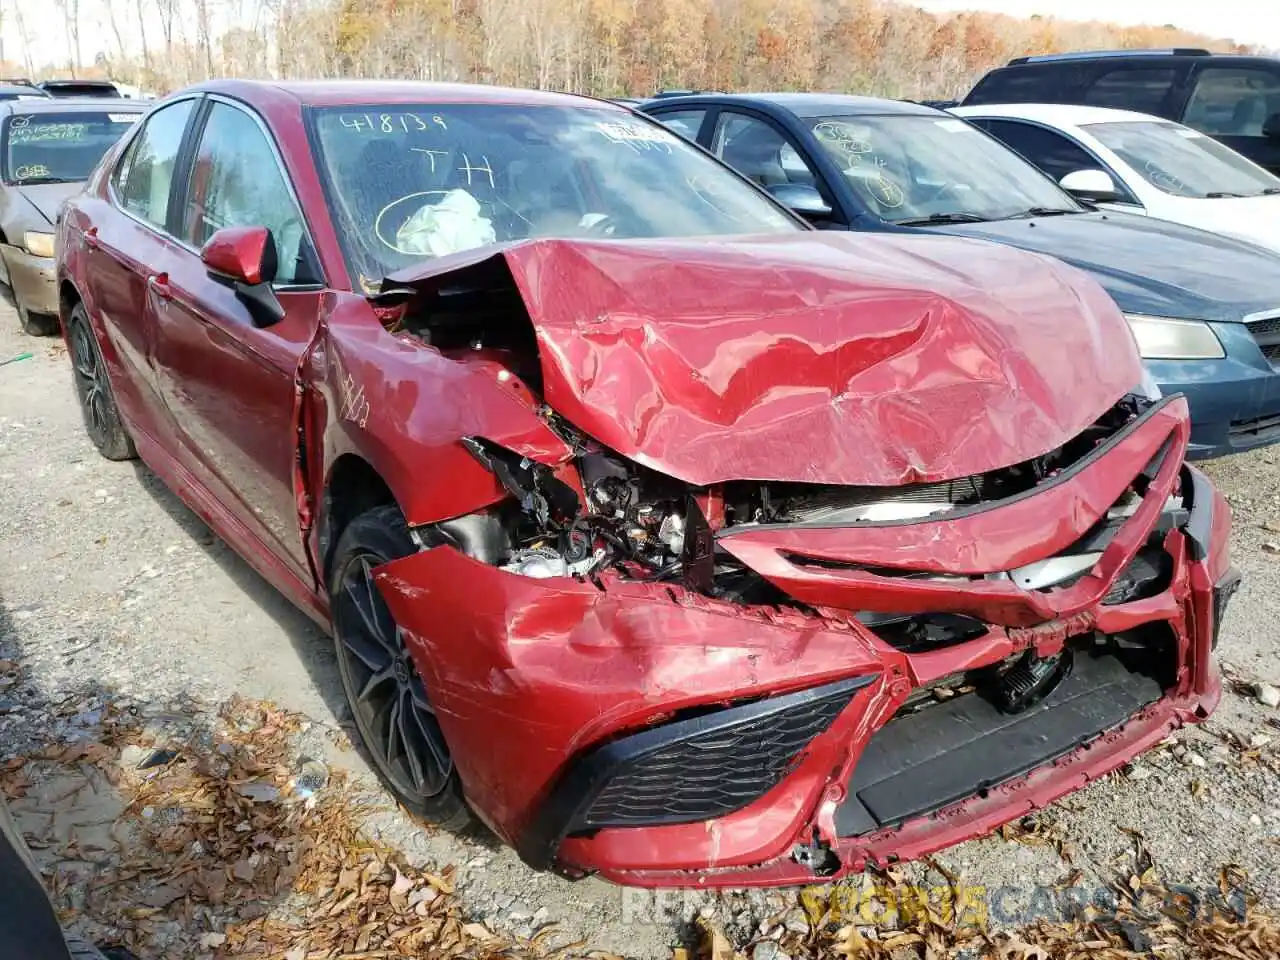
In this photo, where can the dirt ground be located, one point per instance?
(111, 590)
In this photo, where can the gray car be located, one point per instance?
(48, 148)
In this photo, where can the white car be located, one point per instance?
(1141, 164)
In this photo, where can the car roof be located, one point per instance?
(1143, 55)
(808, 104)
(1055, 114)
(76, 105)
(34, 92)
(342, 93)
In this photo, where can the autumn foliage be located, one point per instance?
(634, 47)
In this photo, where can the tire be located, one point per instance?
(35, 324)
(97, 403)
(394, 720)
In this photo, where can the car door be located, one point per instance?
(228, 384)
(124, 239)
(1239, 106)
(1055, 153)
(769, 156)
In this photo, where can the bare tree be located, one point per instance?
(142, 35)
(203, 34)
(168, 13)
(71, 20)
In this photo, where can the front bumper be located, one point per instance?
(1235, 401)
(34, 281)
(655, 736)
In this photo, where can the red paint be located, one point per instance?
(239, 253)
(843, 359)
(838, 358)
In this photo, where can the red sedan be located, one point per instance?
(676, 541)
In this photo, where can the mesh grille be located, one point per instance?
(1267, 334)
(712, 773)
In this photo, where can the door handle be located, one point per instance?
(91, 238)
(158, 283)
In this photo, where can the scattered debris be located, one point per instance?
(1268, 695)
(1271, 546)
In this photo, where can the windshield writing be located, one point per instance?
(60, 146)
(908, 168)
(1181, 161)
(425, 181)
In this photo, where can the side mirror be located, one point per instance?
(802, 198)
(1271, 127)
(1092, 185)
(244, 259)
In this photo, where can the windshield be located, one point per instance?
(410, 182)
(914, 168)
(59, 147)
(1182, 161)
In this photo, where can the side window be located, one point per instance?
(1143, 90)
(1052, 152)
(1231, 101)
(236, 181)
(687, 123)
(758, 150)
(145, 173)
(1036, 83)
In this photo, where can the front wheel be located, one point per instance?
(393, 716)
(97, 403)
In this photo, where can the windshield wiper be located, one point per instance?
(941, 218)
(1041, 212)
(1221, 195)
(32, 181)
(1270, 192)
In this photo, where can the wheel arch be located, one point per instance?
(352, 485)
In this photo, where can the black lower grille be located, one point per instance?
(921, 762)
(691, 769)
(1260, 428)
(708, 773)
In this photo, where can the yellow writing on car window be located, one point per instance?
(41, 132)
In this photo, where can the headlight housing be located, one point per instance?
(38, 244)
(1164, 338)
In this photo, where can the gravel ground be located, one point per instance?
(109, 586)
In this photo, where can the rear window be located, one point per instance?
(58, 147)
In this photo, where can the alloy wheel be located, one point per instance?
(90, 384)
(388, 698)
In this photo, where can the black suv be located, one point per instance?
(1235, 99)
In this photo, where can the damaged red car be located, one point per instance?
(674, 540)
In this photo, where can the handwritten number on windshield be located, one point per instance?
(391, 122)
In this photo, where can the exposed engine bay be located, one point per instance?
(606, 514)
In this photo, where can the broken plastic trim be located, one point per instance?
(542, 495)
(1065, 475)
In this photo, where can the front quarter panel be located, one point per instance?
(403, 406)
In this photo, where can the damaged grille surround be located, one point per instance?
(637, 632)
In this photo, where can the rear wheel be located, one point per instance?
(393, 716)
(97, 403)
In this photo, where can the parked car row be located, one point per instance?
(1203, 304)
(672, 538)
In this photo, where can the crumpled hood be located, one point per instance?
(1149, 266)
(814, 357)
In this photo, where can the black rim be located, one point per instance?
(90, 382)
(387, 696)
